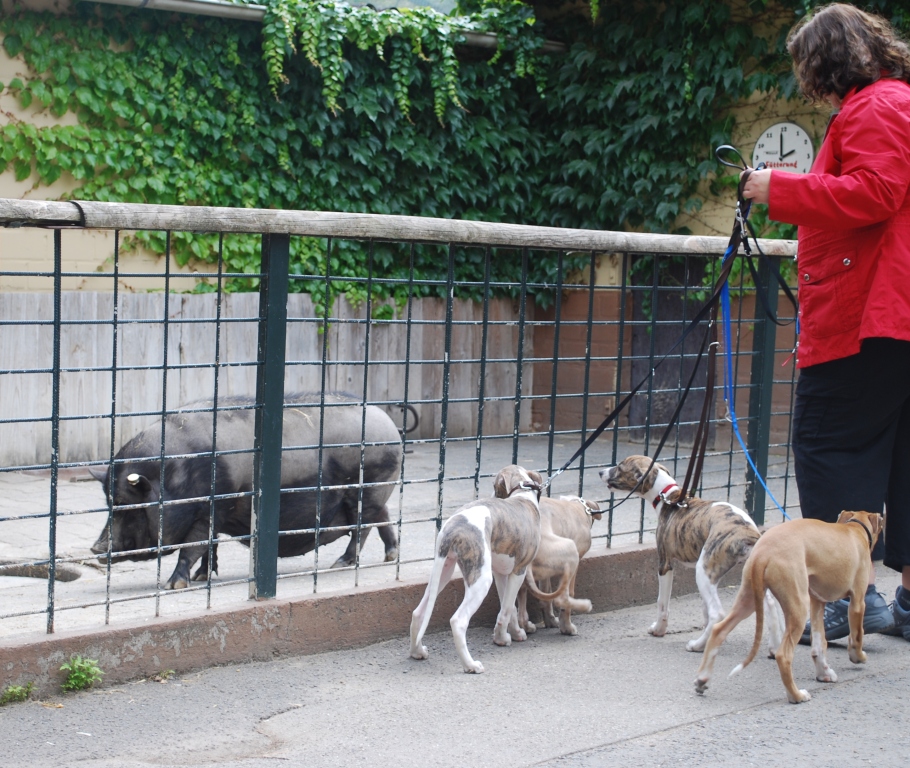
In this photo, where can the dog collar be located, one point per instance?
(525, 486)
(866, 530)
(662, 496)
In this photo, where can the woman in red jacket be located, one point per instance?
(851, 420)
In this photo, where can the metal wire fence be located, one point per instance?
(296, 419)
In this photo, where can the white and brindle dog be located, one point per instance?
(712, 536)
(490, 540)
(565, 538)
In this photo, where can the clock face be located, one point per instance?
(784, 147)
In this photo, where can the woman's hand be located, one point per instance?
(758, 186)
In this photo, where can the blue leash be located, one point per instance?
(728, 381)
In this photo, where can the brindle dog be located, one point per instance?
(711, 536)
(489, 539)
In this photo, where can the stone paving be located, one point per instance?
(127, 594)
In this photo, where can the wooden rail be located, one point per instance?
(131, 216)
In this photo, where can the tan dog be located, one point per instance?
(489, 539)
(712, 536)
(565, 538)
(805, 564)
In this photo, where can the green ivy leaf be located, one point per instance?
(13, 45)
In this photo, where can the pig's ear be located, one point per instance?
(99, 474)
(139, 482)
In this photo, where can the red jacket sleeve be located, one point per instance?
(871, 146)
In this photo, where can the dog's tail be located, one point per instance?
(433, 592)
(561, 596)
(756, 576)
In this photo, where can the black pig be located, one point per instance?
(137, 481)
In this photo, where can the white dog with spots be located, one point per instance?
(711, 536)
(490, 540)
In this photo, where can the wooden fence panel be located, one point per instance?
(87, 344)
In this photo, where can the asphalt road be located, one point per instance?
(610, 696)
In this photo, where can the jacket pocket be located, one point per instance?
(831, 292)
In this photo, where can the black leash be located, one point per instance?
(742, 230)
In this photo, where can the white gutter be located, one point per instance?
(228, 10)
(221, 8)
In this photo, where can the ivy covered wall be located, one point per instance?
(326, 108)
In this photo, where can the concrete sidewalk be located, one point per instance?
(612, 695)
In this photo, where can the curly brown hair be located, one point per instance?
(840, 47)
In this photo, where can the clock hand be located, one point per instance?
(788, 154)
(780, 154)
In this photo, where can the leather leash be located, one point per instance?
(742, 229)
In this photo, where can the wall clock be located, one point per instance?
(784, 147)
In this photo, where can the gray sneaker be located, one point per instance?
(877, 618)
(901, 619)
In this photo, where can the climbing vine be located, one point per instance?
(334, 108)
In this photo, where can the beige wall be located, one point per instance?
(752, 118)
(32, 250)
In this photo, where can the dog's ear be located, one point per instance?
(875, 523)
(535, 476)
(594, 508)
(845, 515)
(499, 487)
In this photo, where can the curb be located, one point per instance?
(313, 624)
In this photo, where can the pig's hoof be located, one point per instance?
(202, 575)
(177, 583)
(342, 562)
(391, 555)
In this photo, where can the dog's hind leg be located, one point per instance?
(665, 587)
(823, 673)
(506, 620)
(524, 619)
(549, 617)
(743, 607)
(794, 608)
(775, 618)
(473, 597)
(714, 611)
(441, 575)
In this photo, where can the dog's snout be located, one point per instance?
(606, 475)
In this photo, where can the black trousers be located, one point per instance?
(851, 441)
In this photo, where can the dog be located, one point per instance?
(805, 564)
(490, 540)
(565, 537)
(712, 536)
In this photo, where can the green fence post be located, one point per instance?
(761, 392)
(273, 315)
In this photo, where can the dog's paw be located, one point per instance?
(803, 696)
(857, 657)
(697, 645)
(420, 653)
(569, 629)
(474, 668)
(701, 684)
(519, 635)
(504, 638)
(530, 627)
(827, 676)
(658, 629)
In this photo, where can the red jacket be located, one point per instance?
(853, 213)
